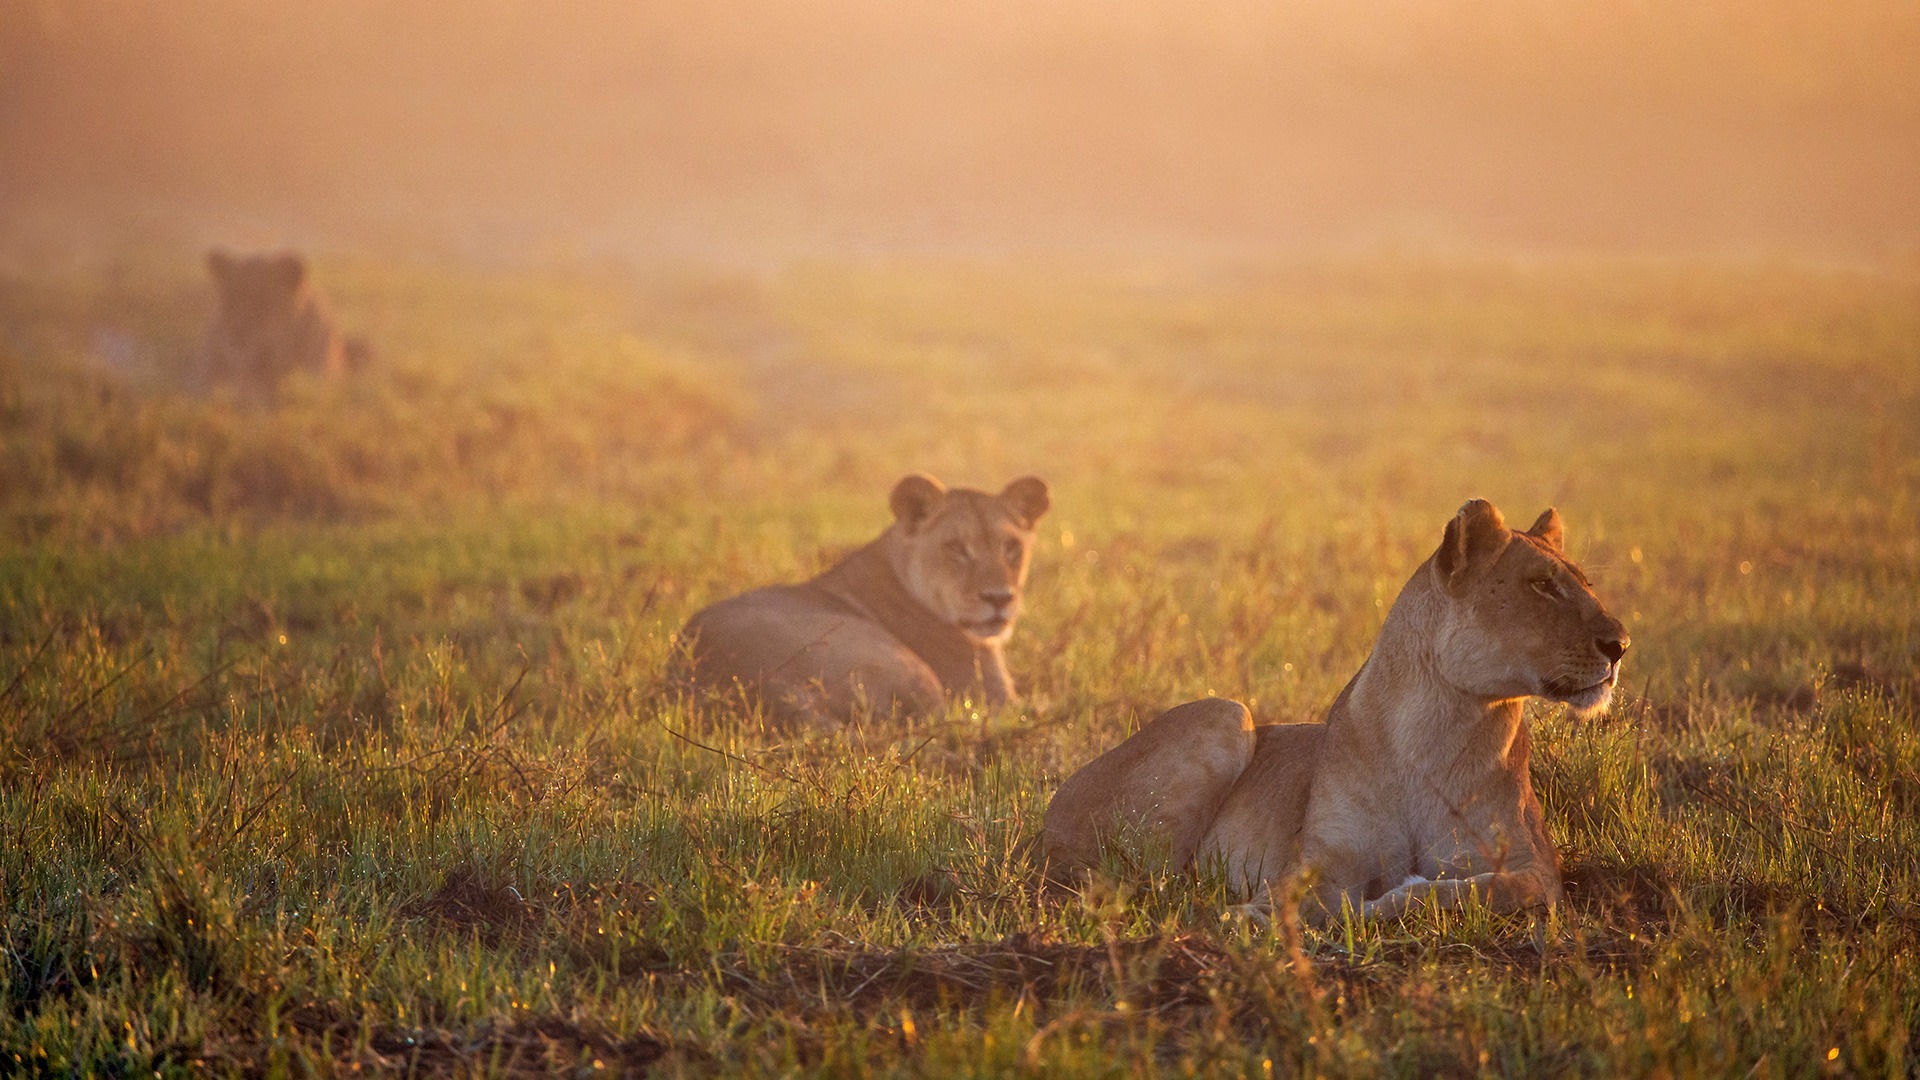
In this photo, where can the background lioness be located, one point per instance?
(1416, 787)
(271, 321)
(917, 615)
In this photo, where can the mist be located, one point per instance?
(757, 129)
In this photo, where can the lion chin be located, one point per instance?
(1592, 701)
(999, 628)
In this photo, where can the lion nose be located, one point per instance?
(1614, 648)
(997, 597)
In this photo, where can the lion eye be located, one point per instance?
(1013, 551)
(1546, 587)
(958, 550)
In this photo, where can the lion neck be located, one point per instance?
(1400, 704)
(867, 582)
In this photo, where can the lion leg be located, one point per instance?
(1501, 891)
(1255, 837)
(1162, 786)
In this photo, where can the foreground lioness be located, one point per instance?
(271, 321)
(1415, 790)
(916, 616)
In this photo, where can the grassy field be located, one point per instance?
(333, 738)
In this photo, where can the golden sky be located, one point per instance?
(783, 126)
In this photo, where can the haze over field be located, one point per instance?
(338, 724)
(758, 128)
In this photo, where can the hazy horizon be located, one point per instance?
(855, 126)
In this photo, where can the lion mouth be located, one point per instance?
(1587, 700)
(987, 628)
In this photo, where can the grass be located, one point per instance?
(333, 737)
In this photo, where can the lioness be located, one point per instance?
(916, 616)
(270, 322)
(1415, 789)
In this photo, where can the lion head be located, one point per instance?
(257, 290)
(963, 554)
(271, 321)
(1519, 618)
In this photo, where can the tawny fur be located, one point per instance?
(271, 322)
(1415, 790)
(916, 617)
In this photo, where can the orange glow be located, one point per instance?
(782, 126)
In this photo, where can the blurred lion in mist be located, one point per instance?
(271, 322)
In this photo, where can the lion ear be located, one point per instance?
(1475, 534)
(291, 270)
(219, 264)
(1550, 530)
(914, 497)
(1029, 498)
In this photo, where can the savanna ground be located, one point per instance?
(333, 737)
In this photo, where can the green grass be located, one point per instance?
(334, 737)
